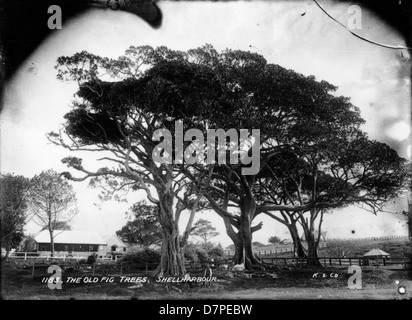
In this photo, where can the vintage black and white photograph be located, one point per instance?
(198, 150)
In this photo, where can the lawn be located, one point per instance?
(394, 247)
(357, 248)
(276, 282)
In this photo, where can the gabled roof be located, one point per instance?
(376, 253)
(68, 236)
(113, 240)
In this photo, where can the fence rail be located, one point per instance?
(269, 252)
(404, 262)
(369, 238)
(40, 268)
(35, 256)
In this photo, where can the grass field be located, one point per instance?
(289, 284)
(357, 248)
(273, 283)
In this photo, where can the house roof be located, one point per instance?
(376, 253)
(68, 236)
(113, 240)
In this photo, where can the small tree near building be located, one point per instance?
(53, 202)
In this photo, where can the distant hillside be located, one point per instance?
(352, 248)
(395, 247)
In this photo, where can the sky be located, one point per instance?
(295, 35)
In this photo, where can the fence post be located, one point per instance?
(340, 262)
(350, 261)
(404, 260)
(285, 261)
(330, 261)
(25, 256)
(32, 270)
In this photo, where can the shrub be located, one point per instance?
(204, 252)
(142, 256)
(216, 253)
(202, 255)
(91, 259)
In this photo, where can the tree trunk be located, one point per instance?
(238, 258)
(244, 251)
(243, 245)
(172, 254)
(8, 249)
(312, 250)
(298, 249)
(245, 233)
(51, 243)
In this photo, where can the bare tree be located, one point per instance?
(203, 229)
(53, 202)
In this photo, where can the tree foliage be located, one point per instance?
(204, 230)
(13, 209)
(274, 240)
(28, 244)
(145, 228)
(59, 225)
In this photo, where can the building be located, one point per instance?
(71, 243)
(115, 245)
(376, 253)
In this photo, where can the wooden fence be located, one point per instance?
(368, 238)
(64, 257)
(393, 262)
(39, 268)
(270, 252)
